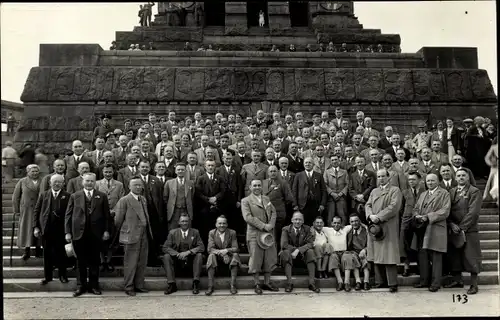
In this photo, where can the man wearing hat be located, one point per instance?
(103, 128)
(260, 216)
(382, 211)
(463, 220)
(297, 242)
(430, 213)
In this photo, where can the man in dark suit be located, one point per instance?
(147, 155)
(87, 225)
(170, 162)
(73, 161)
(241, 157)
(286, 174)
(153, 192)
(385, 142)
(76, 183)
(222, 250)
(49, 224)
(297, 242)
(183, 249)
(224, 146)
(132, 211)
(210, 189)
(193, 170)
(59, 168)
(361, 184)
(457, 162)
(447, 180)
(125, 174)
(309, 190)
(426, 166)
(395, 139)
(295, 163)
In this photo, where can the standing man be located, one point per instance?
(430, 213)
(361, 184)
(73, 161)
(49, 224)
(178, 196)
(464, 219)
(87, 225)
(131, 211)
(253, 171)
(382, 209)
(260, 216)
(76, 183)
(337, 182)
(59, 168)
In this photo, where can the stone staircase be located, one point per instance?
(26, 275)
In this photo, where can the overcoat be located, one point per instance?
(23, 201)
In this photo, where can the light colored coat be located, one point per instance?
(170, 195)
(257, 214)
(114, 193)
(23, 201)
(385, 204)
(321, 168)
(128, 219)
(437, 208)
(336, 183)
(249, 173)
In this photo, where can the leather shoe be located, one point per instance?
(171, 288)
(209, 291)
(313, 288)
(141, 290)
(454, 284)
(270, 287)
(340, 286)
(196, 287)
(63, 279)
(347, 287)
(258, 289)
(95, 291)
(357, 287)
(393, 289)
(473, 289)
(233, 290)
(79, 292)
(420, 285)
(44, 282)
(433, 289)
(289, 287)
(366, 286)
(130, 293)
(380, 286)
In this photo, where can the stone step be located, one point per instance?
(242, 282)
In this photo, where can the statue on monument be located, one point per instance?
(262, 21)
(148, 12)
(336, 6)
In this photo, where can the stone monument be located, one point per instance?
(76, 83)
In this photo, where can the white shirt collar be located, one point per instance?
(228, 168)
(210, 175)
(89, 191)
(431, 192)
(55, 193)
(180, 180)
(185, 233)
(136, 197)
(426, 163)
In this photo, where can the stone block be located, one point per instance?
(69, 54)
(481, 87)
(236, 7)
(189, 84)
(309, 84)
(458, 85)
(449, 57)
(36, 87)
(398, 85)
(339, 84)
(369, 84)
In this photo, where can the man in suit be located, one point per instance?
(224, 146)
(147, 155)
(114, 190)
(337, 121)
(182, 250)
(309, 190)
(438, 157)
(133, 223)
(201, 151)
(276, 145)
(382, 208)
(348, 162)
(178, 196)
(270, 158)
(280, 136)
(400, 164)
(49, 225)
(396, 145)
(76, 183)
(170, 162)
(73, 161)
(321, 163)
(295, 162)
(373, 164)
(355, 255)
(453, 135)
(284, 172)
(457, 162)
(430, 213)
(126, 173)
(361, 184)
(107, 159)
(396, 178)
(180, 152)
(297, 242)
(241, 157)
(193, 170)
(464, 217)
(222, 250)
(372, 146)
(97, 155)
(210, 189)
(369, 131)
(153, 194)
(337, 183)
(59, 168)
(120, 153)
(87, 221)
(426, 166)
(253, 171)
(160, 170)
(253, 133)
(385, 142)
(260, 216)
(447, 180)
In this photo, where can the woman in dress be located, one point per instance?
(24, 200)
(491, 159)
(262, 21)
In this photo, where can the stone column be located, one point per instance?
(236, 18)
(279, 17)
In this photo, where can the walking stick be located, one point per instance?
(12, 238)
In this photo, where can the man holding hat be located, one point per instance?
(382, 214)
(103, 129)
(260, 216)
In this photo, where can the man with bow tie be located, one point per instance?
(466, 204)
(125, 174)
(114, 190)
(222, 250)
(297, 243)
(430, 213)
(336, 182)
(76, 183)
(361, 184)
(49, 213)
(132, 221)
(178, 196)
(87, 222)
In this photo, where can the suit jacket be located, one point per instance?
(170, 196)
(248, 139)
(472, 180)
(288, 177)
(193, 175)
(349, 166)
(125, 175)
(372, 132)
(173, 242)
(93, 155)
(42, 209)
(76, 216)
(453, 184)
(336, 182)
(241, 161)
(303, 240)
(362, 236)
(151, 158)
(301, 189)
(370, 167)
(366, 153)
(257, 214)
(75, 185)
(170, 169)
(358, 150)
(230, 241)
(206, 189)
(466, 208)
(321, 168)
(153, 191)
(131, 218)
(182, 154)
(384, 143)
(433, 168)
(234, 183)
(160, 149)
(456, 139)
(72, 166)
(120, 156)
(401, 168)
(439, 158)
(295, 165)
(280, 195)
(201, 157)
(249, 173)
(45, 183)
(115, 192)
(362, 185)
(437, 208)
(390, 151)
(408, 204)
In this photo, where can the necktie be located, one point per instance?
(133, 170)
(256, 167)
(414, 192)
(181, 181)
(89, 197)
(56, 194)
(109, 184)
(145, 179)
(183, 235)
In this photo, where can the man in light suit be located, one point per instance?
(321, 163)
(400, 164)
(284, 172)
(73, 161)
(430, 213)
(426, 166)
(125, 174)
(260, 215)
(132, 221)
(120, 153)
(222, 250)
(178, 196)
(337, 183)
(87, 221)
(182, 250)
(253, 171)
(97, 155)
(201, 151)
(437, 156)
(193, 170)
(114, 190)
(76, 183)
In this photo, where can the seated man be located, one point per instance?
(355, 256)
(222, 249)
(337, 237)
(297, 242)
(183, 248)
(322, 248)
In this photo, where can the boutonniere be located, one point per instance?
(276, 187)
(315, 181)
(192, 238)
(232, 171)
(215, 180)
(63, 197)
(97, 197)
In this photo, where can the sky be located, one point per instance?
(430, 23)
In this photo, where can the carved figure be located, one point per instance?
(262, 21)
(380, 48)
(199, 15)
(331, 47)
(343, 48)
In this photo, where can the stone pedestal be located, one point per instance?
(236, 18)
(279, 17)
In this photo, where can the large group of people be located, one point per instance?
(334, 196)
